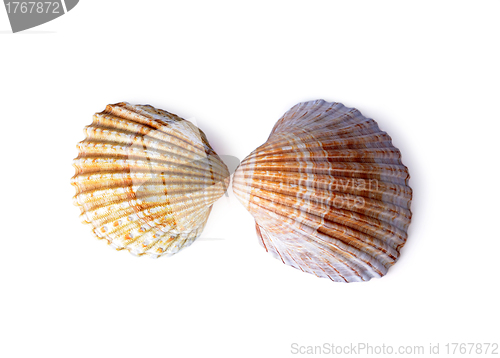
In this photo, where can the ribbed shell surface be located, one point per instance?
(146, 179)
(328, 192)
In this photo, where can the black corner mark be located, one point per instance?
(25, 15)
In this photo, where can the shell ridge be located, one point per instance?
(172, 127)
(388, 173)
(139, 142)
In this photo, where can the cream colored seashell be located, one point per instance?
(328, 192)
(146, 179)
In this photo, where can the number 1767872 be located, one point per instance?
(32, 7)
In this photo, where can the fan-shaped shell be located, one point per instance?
(328, 192)
(146, 179)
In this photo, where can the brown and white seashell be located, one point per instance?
(146, 179)
(328, 192)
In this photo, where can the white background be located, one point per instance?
(426, 71)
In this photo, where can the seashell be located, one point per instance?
(328, 192)
(146, 179)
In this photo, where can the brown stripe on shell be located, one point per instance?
(328, 192)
